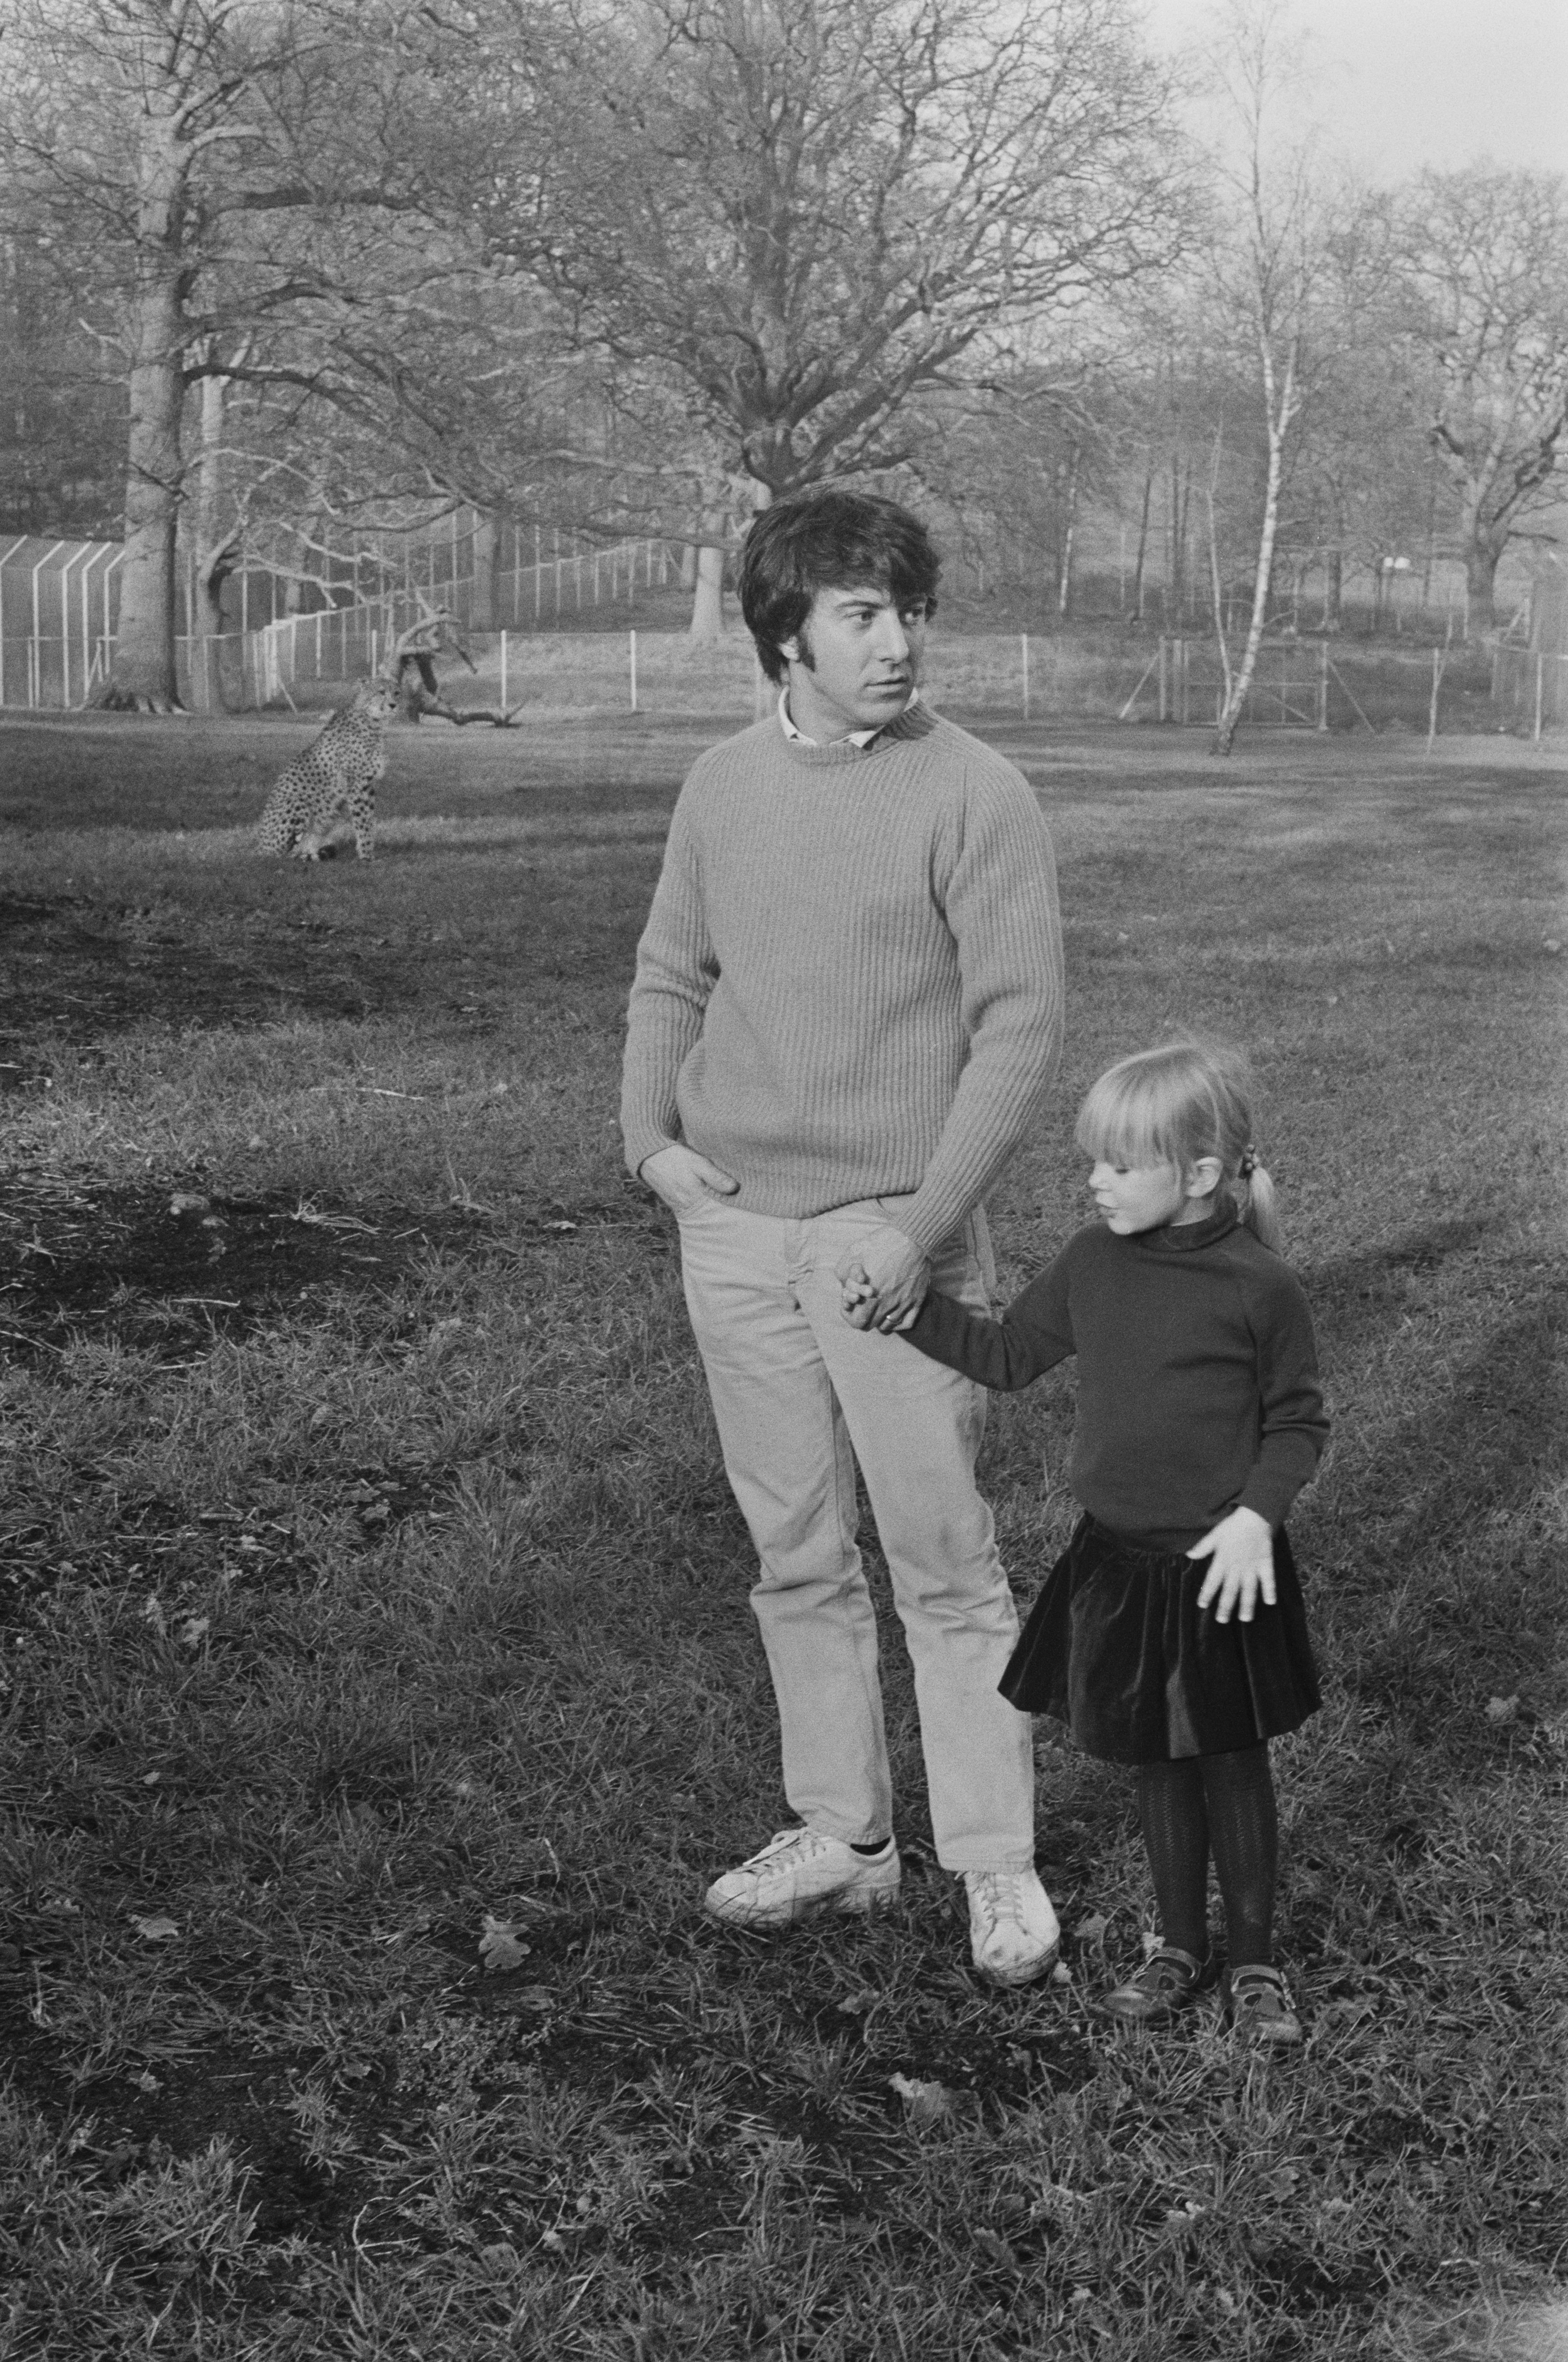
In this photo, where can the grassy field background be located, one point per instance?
(379, 1686)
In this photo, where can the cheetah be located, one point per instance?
(334, 779)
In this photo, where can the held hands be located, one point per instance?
(1242, 1548)
(683, 1179)
(884, 1281)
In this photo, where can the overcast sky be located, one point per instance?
(1405, 83)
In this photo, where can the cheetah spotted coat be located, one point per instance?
(333, 781)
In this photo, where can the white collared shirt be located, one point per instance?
(856, 737)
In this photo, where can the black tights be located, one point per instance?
(1222, 1804)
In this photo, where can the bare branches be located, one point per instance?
(810, 213)
(1481, 264)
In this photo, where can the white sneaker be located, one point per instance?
(1014, 1934)
(799, 1872)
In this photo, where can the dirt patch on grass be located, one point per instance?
(81, 969)
(167, 1269)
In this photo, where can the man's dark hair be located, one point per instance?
(829, 540)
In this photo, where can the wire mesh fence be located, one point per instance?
(1296, 686)
(58, 619)
(59, 613)
(1529, 688)
(59, 610)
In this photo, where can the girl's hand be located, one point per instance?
(1241, 1547)
(857, 1298)
(883, 1282)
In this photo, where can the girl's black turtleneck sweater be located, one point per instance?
(1197, 1374)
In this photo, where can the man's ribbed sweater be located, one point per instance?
(850, 984)
(1197, 1374)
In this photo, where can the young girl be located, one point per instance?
(1171, 1633)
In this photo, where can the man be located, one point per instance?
(847, 1014)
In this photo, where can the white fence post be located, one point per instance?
(1023, 637)
(632, 635)
(16, 546)
(35, 668)
(504, 673)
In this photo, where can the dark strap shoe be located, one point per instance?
(1170, 1980)
(1261, 2009)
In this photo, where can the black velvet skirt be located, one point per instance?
(1117, 1648)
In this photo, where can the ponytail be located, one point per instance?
(1256, 1201)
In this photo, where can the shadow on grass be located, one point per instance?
(1450, 1589)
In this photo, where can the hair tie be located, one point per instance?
(1249, 1162)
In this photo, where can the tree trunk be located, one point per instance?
(1278, 420)
(1481, 562)
(1065, 578)
(707, 598)
(216, 551)
(487, 560)
(143, 676)
(1143, 548)
(688, 566)
(1333, 590)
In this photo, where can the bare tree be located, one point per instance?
(1483, 264)
(799, 215)
(1265, 264)
(159, 138)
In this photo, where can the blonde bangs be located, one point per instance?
(1159, 1106)
(1119, 1122)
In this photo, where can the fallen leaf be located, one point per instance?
(501, 1946)
(1061, 1974)
(156, 1928)
(195, 1631)
(926, 2102)
(1502, 1709)
(856, 2004)
(1092, 1930)
(991, 2242)
(147, 2082)
(153, 1614)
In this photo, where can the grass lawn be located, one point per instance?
(379, 1689)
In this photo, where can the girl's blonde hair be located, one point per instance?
(1173, 1105)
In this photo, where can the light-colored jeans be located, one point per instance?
(799, 1395)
